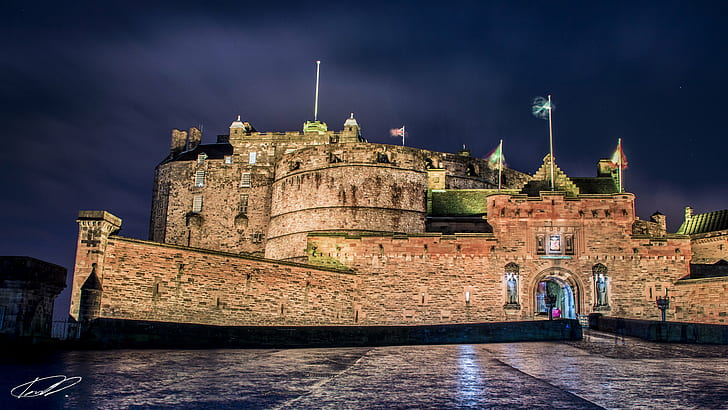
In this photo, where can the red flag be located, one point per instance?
(618, 158)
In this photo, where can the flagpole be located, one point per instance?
(315, 105)
(500, 164)
(403, 135)
(551, 144)
(619, 146)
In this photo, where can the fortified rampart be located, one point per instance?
(372, 280)
(144, 280)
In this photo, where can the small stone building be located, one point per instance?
(28, 288)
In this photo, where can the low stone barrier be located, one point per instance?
(117, 333)
(657, 331)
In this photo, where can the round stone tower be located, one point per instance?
(354, 187)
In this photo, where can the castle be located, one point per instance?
(324, 228)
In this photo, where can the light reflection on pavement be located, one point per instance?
(598, 372)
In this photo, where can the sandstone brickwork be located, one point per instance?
(261, 192)
(701, 300)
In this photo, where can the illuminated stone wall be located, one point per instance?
(393, 279)
(300, 183)
(149, 281)
(710, 247)
(701, 300)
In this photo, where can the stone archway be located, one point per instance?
(562, 284)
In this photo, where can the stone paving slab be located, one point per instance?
(590, 374)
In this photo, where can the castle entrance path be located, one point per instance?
(598, 372)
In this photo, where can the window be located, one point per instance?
(200, 178)
(245, 181)
(228, 159)
(253, 157)
(201, 158)
(197, 203)
(243, 206)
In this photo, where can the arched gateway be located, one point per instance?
(561, 284)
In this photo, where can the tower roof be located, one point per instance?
(351, 121)
(237, 123)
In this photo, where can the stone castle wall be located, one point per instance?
(710, 247)
(701, 300)
(149, 281)
(439, 269)
(328, 180)
(352, 188)
(378, 280)
(222, 223)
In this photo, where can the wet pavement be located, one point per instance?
(598, 372)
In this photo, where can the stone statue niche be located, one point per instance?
(601, 301)
(511, 278)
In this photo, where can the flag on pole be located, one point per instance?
(543, 108)
(619, 160)
(495, 158)
(397, 132)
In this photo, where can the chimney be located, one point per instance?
(195, 138)
(605, 168)
(661, 220)
(688, 214)
(179, 142)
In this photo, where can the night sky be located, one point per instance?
(91, 90)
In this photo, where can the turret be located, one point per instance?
(351, 131)
(238, 128)
(94, 229)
